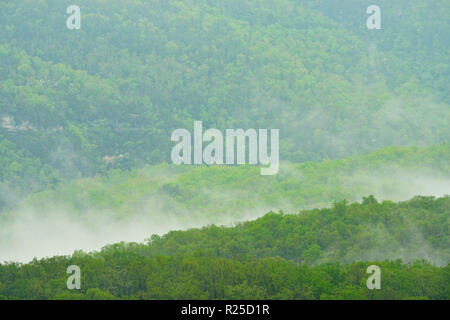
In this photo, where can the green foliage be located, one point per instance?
(274, 257)
(347, 232)
(219, 193)
(86, 118)
(109, 95)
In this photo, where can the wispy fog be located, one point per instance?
(57, 229)
(32, 233)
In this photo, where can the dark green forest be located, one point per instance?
(86, 118)
(310, 255)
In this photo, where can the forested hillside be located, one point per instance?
(393, 173)
(86, 118)
(130, 205)
(76, 103)
(274, 257)
(125, 276)
(413, 230)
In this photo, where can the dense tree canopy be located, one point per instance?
(78, 102)
(274, 257)
(86, 118)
